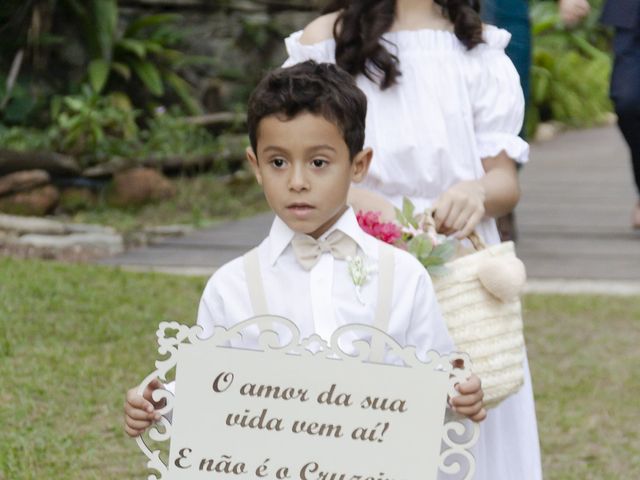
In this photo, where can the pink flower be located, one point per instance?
(370, 222)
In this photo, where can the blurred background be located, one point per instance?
(91, 88)
(122, 126)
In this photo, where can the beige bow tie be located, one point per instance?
(308, 250)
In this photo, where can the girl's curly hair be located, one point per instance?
(361, 24)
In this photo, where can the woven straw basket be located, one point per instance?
(482, 325)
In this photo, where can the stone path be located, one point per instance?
(573, 220)
(575, 211)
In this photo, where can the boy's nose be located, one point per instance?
(298, 180)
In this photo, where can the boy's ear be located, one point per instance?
(360, 165)
(253, 161)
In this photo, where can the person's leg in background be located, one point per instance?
(625, 93)
(513, 16)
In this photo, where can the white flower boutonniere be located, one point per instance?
(359, 272)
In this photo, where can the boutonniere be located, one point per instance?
(359, 271)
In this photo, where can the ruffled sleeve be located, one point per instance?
(322, 52)
(497, 99)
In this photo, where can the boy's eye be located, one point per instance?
(278, 162)
(319, 163)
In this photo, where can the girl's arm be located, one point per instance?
(368, 201)
(501, 184)
(459, 209)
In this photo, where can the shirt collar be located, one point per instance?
(281, 235)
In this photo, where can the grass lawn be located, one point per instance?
(73, 338)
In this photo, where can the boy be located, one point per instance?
(306, 126)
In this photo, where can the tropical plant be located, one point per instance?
(570, 70)
(94, 127)
(25, 139)
(144, 50)
(17, 101)
(169, 134)
(25, 39)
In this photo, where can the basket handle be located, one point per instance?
(429, 225)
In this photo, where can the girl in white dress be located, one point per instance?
(445, 109)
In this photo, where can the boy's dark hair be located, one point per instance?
(317, 88)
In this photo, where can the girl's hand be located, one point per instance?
(469, 402)
(572, 11)
(460, 209)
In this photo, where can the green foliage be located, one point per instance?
(420, 239)
(96, 128)
(406, 216)
(169, 134)
(97, 326)
(24, 139)
(570, 71)
(92, 127)
(145, 50)
(141, 57)
(18, 105)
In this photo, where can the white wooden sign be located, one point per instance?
(301, 409)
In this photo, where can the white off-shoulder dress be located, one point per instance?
(450, 108)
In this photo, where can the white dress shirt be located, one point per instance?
(324, 298)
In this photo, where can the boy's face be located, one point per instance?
(303, 166)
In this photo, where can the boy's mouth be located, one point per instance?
(300, 209)
(300, 205)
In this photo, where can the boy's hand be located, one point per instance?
(140, 411)
(469, 402)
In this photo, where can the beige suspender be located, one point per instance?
(385, 295)
(385, 292)
(254, 283)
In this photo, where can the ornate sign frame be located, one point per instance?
(459, 435)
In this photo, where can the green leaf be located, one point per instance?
(153, 47)
(121, 101)
(150, 21)
(445, 250)
(583, 44)
(56, 107)
(73, 103)
(183, 90)
(105, 17)
(174, 57)
(420, 246)
(148, 73)
(437, 270)
(133, 46)
(98, 74)
(431, 261)
(122, 69)
(98, 134)
(77, 7)
(401, 218)
(408, 208)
